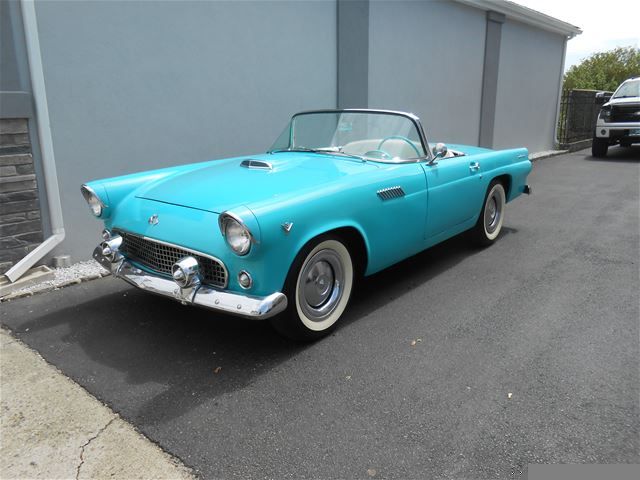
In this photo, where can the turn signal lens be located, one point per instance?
(244, 279)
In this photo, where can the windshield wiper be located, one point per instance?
(297, 149)
(342, 154)
(319, 150)
(625, 96)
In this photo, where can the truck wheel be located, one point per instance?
(318, 288)
(599, 147)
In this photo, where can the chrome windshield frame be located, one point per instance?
(412, 117)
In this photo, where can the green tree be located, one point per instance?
(604, 70)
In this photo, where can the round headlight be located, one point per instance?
(236, 234)
(95, 204)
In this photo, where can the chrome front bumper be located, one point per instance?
(248, 306)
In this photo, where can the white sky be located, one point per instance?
(605, 25)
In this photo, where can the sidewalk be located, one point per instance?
(51, 428)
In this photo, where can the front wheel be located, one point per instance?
(318, 288)
(489, 223)
(599, 147)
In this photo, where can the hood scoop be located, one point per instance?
(256, 164)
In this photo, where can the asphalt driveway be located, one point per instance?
(526, 352)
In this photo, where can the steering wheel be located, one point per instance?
(400, 137)
(378, 153)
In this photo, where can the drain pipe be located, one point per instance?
(560, 82)
(46, 144)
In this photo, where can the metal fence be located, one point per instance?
(578, 113)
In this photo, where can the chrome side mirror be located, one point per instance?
(440, 151)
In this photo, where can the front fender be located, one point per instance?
(270, 260)
(391, 230)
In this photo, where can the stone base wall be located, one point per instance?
(20, 222)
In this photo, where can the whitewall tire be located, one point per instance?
(489, 224)
(318, 289)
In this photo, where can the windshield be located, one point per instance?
(387, 137)
(628, 89)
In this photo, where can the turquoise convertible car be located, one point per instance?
(285, 235)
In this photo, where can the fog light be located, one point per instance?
(603, 132)
(186, 272)
(244, 279)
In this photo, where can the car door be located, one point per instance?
(454, 193)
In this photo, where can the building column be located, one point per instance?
(490, 78)
(353, 53)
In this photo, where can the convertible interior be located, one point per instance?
(390, 149)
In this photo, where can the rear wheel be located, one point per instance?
(489, 223)
(599, 147)
(318, 288)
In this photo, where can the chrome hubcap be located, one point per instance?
(321, 284)
(492, 212)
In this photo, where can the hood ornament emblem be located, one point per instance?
(153, 219)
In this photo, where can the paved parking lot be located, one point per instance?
(528, 353)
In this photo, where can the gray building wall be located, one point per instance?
(9, 68)
(531, 62)
(427, 58)
(133, 86)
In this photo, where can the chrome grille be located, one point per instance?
(160, 257)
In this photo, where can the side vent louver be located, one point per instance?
(390, 193)
(256, 164)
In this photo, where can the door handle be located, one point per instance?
(474, 166)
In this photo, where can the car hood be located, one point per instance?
(220, 185)
(622, 101)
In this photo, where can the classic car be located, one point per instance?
(618, 121)
(285, 235)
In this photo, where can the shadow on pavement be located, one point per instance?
(618, 154)
(162, 357)
(381, 288)
(166, 352)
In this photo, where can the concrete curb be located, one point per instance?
(33, 276)
(53, 428)
(57, 283)
(546, 154)
(579, 145)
